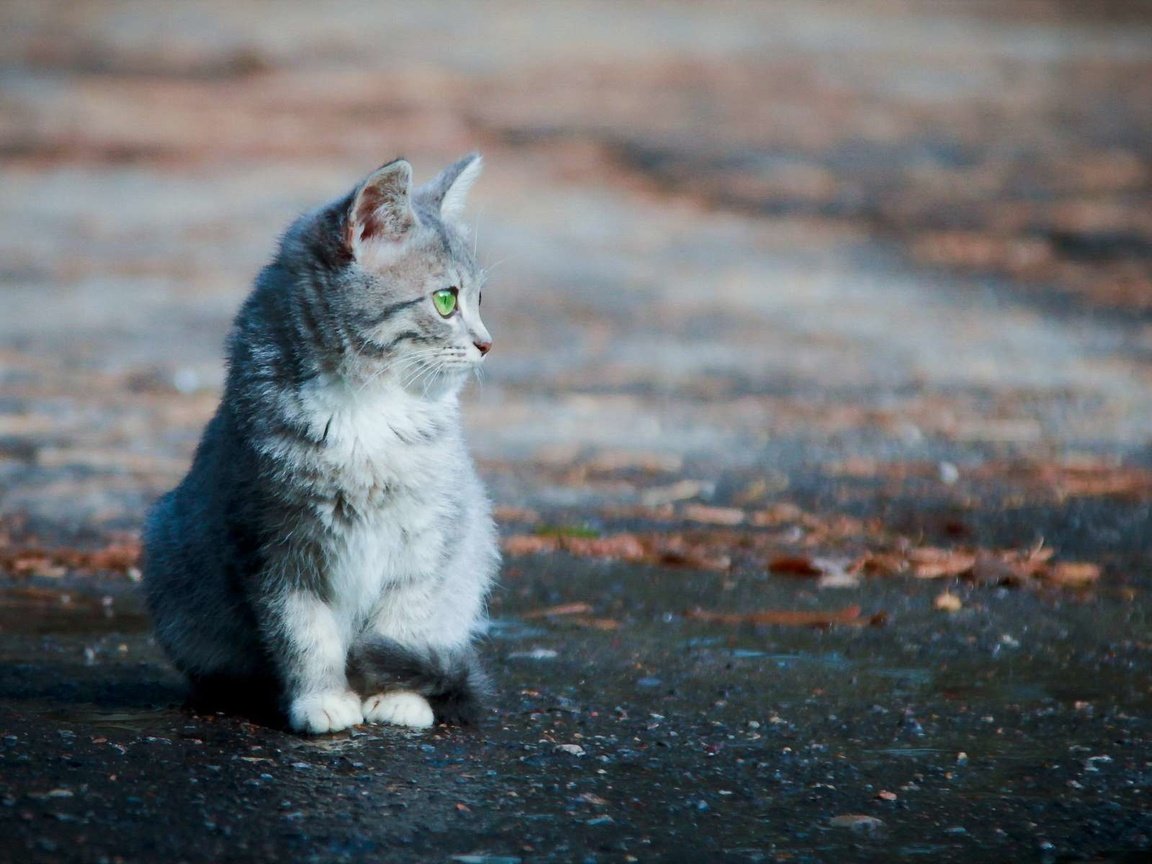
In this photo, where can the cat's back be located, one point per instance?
(183, 525)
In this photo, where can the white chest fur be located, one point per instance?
(380, 429)
(393, 461)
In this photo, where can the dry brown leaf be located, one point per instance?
(505, 513)
(1102, 480)
(678, 491)
(850, 616)
(794, 565)
(779, 514)
(596, 623)
(1073, 574)
(32, 596)
(881, 563)
(713, 515)
(679, 554)
(116, 556)
(120, 555)
(672, 550)
(931, 563)
(626, 547)
(577, 608)
(611, 461)
(529, 544)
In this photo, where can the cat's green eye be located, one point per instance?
(445, 301)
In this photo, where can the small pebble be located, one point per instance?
(948, 602)
(858, 822)
(535, 654)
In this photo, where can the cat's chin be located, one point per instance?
(446, 383)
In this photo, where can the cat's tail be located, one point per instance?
(453, 682)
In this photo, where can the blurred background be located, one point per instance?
(821, 315)
(727, 237)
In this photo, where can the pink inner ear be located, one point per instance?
(369, 214)
(381, 213)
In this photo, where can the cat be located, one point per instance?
(331, 548)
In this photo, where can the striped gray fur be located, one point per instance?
(332, 507)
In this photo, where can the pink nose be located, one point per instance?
(483, 347)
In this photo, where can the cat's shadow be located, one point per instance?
(126, 695)
(142, 697)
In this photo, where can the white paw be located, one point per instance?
(401, 708)
(325, 712)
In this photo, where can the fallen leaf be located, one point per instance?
(28, 596)
(562, 609)
(609, 461)
(930, 563)
(779, 514)
(850, 616)
(678, 552)
(1072, 574)
(881, 563)
(506, 513)
(116, 556)
(626, 547)
(794, 565)
(714, 515)
(679, 491)
(529, 544)
(596, 623)
(121, 555)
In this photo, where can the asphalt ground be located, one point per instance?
(817, 423)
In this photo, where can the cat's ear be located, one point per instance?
(448, 192)
(381, 208)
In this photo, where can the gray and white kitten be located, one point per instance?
(331, 545)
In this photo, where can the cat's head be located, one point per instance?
(409, 287)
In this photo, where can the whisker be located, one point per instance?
(415, 370)
(488, 268)
(429, 376)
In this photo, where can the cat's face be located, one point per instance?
(415, 291)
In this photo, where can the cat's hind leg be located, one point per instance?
(400, 708)
(416, 687)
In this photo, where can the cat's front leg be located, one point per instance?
(311, 652)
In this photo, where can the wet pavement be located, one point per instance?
(818, 424)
